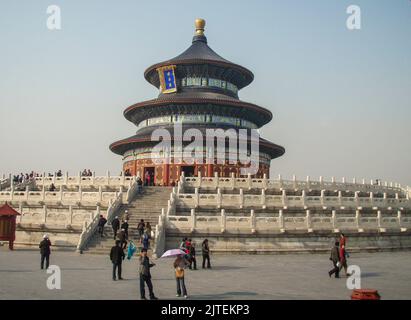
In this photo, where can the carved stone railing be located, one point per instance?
(59, 196)
(95, 181)
(294, 184)
(5, 183)
(89, 229)
(241, 200)
(280, 222)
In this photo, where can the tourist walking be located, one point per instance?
(206, 253)
(335, 259)
(192, 252)
(122, 238)
(44, 246)
(145, 275)
(117, 256)
(343, 260)
(146, 240)
(140, 227)
(115, 224)
(179, 265)
(124, 226)
(148, 229)
(101, 223)
(139, 184)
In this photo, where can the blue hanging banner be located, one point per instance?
(167, 78)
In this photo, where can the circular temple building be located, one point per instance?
(198, 89)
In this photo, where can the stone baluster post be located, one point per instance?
(385, 198)
(322, 196)
(200, 179)
(79, 178)
(284, 198)
(340, 197)
(241, 198)
(354, 181)
(196, 198)
(193, 220)
(223, 221)
(399, 216)
(265, 181)
(253, 221)
(263, 199)
(216, 180)
(303, 198)
(27, 193)
(356, 198)
(232, 180)
(343, 180)
(66, 178)
(100, 193)
(308, 183)
(249, 181)
(294, 182)
(281, 220)
(280, 182)
(358, 220)
(108, 177)
(334, 220)
(43, 193)
(219, 198)
(371, 199)
(21, 212)
(61, 193)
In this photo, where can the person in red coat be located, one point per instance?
(343, 259)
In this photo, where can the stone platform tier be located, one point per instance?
(147, 205)
(261, 215)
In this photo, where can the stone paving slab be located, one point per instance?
(292, 276)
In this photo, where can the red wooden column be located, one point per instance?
(166, 174)
(210, 170)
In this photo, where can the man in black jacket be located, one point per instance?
(145, 275)
(117, 256)
(101, 223)
(335, 258)
(45, 251)
(124, 226)
(115, 224)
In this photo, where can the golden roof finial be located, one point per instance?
(200, 24)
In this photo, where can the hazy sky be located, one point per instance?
(340, 98)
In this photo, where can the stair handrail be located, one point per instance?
(132, 190)
(5, 183)
(89, 229)
(160, 231)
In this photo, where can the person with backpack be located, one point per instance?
(145, 275)
(179, 265)
(146, 240)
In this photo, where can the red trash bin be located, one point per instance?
(365, 294)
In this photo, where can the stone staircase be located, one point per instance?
(146, 205)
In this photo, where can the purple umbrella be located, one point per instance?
(173, 253)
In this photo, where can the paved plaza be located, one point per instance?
(291, 276)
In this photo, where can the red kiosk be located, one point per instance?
(8, 224)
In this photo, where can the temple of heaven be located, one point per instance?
(198, 89)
